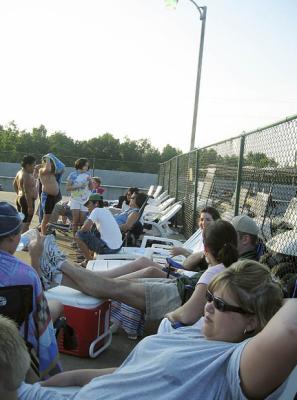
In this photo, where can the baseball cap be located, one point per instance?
(94, 197)
(245, 224)
(10, 219)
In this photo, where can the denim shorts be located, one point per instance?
(95, 243)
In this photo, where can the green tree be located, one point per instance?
(260, 160)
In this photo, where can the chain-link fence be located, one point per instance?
(254, 173)
(95, 162)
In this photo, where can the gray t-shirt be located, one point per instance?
(179, 365)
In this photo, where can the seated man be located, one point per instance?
(107, 238)
(15, 272)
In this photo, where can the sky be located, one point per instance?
(128, 67)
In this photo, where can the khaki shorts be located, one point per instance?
(161, 297)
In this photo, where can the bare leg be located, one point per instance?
(138, 264)
(149, 272)
(56, 309)
(75, 222)
(83, 248)
(124, 290)
(45, 221)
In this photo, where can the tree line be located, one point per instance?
(103, 151)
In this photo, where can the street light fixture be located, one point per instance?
(202, 13)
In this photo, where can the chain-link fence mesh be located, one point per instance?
(255, 173)
(95, 162)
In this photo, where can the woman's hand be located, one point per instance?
(176, 251)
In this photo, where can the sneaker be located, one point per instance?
(50, 262)
(59, 227)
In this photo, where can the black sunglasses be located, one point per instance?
(221, 305)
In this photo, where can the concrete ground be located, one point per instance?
(120, 347)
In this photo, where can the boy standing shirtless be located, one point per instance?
(25, 188)
(50, 194)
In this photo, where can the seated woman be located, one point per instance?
(127, 218)
(246, 348)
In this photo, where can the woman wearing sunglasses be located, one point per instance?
(246, 348)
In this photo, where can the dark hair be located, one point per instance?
(80, 163)
(140, 198)
(212, 211)
(28, 160)
(133, 190)
(221, 239)
(100, 203)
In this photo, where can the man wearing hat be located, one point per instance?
(247, 234)
(15, 272)
(107, 238)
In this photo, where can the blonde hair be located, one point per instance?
(253, 288)
(14, 357)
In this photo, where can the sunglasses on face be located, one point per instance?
(222, 306)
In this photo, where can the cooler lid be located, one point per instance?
(72, 297)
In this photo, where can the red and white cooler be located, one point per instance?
(88, 316)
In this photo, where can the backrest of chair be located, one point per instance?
(207, 184)
(192, 241)
(290, 216)
(151, 190)
(171, 213)
(16, 302)
(260, 204)
(157, 191)
(166, 203)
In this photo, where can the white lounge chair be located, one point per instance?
(151, 190)
(162, 226)
(157, 191)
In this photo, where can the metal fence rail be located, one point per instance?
(254, 173)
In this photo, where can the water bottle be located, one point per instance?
(26, 239)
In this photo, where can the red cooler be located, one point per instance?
(88, 316)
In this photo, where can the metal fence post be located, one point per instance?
(176, 173)
(195, 191)
(239, 175)
(169, 176)
(94, 160)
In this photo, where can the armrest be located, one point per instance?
(167, 241)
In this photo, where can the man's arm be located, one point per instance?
(15, 184)
(270, 356)
(87, 226)
(78, 377)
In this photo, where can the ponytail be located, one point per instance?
(221, 239)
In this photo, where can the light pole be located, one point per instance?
(202, 13)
